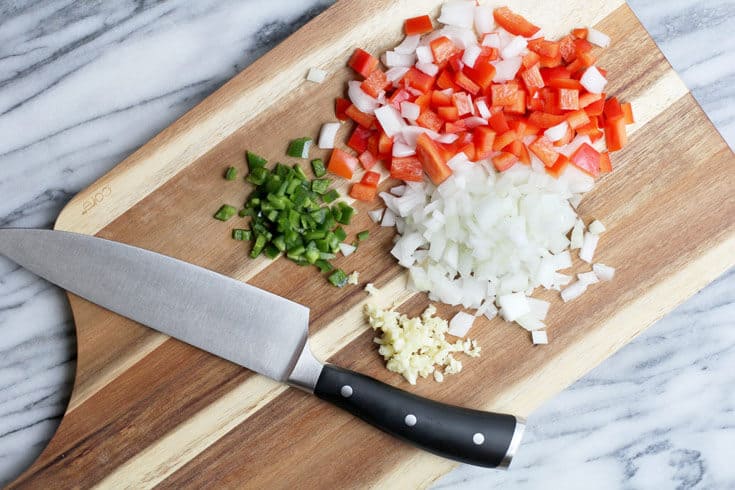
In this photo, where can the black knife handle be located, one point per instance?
(469, 436)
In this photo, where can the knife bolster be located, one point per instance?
(306, 372)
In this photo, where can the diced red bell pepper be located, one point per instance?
(529, 59)
(462, 102)
(514, 23)
(483, 72)
(461, 79)
(470, 151)
(443, 49)
(440, 99)
(418, 25)
(545, 120)
(371, 179)
(407, 168)
(456, 62)
(499, 123)
(423, 101)
(375, 83)
(544, 149)
(533, 79)
(582, 45)
(362, 192)
(587, 159)
(372, 142)
(418, 80)
(364, 120)
(504, 139)
(385, 144)
(567, 83)
(363, 62)
(612, 110)
(566, 139)
(503, 94)
(448, 113)
(359, 139)
(551, 61)
(433, 162)
(400, 95)
(430, 120)
(455, 127)
(627, 113)
(568, 99)
(567, 49)
(504, 161)
(549, 74)
(367, 160)
(577, 119)
(545, 48)
(605, 163)
(596, 108)
(342, 163)
(616, 135)
(580, 32)
(558, 167)
(519, 105)
(340, 106)
(446, 80)
(484, 138)
(587, 98)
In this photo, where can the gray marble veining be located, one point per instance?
(83, 84)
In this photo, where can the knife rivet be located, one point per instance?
(478, 439)
(346, 391)
(410, 420)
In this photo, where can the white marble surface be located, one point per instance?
(83, 84)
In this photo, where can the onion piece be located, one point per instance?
(459, 13)
(392, 59)
(376, 215)
(429, 68)
(555, 133)
(507, 69)
(530, 323)
(347, 249)
(410, 111)
(389, 218)
(574, 291)
(593, 81)
(513, 306)
(588, 278)
(460, 324)
(408, 45)
(424, 54)
(599, 38)
(484, 21)
(398, 190)
(327, 135)
(361, 100)
(390, 120)
(603, 272)
(316, 75)
(471, 54)
(577, 238)
(491, 40)
(447, 138)
(538, 308)
(483, 109)
(514, 48)
(539, 337)
(401, 149)
(396, 73)
(597, 228)
(588, 247)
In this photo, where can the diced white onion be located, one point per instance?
(376, 215)
(396, 73)
(327, 135)
(588, 247)
(460, 324)
(514, 48)
(408, 45)
(555, 133)
(491, 40)
(316, 75)
(597, 228)
(459, 13)
(401, 149)
(429, 68)
(588, 278)
(347, 249)
(513, 306)
(530, 323)
(398, 190)
(483, 109)
(471, 54)
(361, 100)
(390, 120)
(409, 110)
(574, 291)
(389, 218)
(484, 19)
(473, 122)
(391, 59)
(599, 38)
(539, 337)
(424, 54)
(447, 138)
(506, 69)
(577, 238)
(593, 81)
(538, 308)
(411, 133)
(603, 272)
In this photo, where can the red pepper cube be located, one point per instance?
(340, 106)
(407, 168)
(499, 123)
(418, 80)
(504, 161)
(400, 95)
(545, 48)
(503, 140)
(362, 192)
(342, 163)
(613, 110)
(432, 160)
(385, 144)
(446, 80)
(371, 179)
(418, 25)
(363, 62)
(364, 120)
(544, 149)
(514, 23)
(503, 94)
(430, 120)
(483, 72)
(533, 79)
(462, 102)
(375, 83)
(466, 83)
(443, 49)
(359, 139)
(448, 113)
(587, 159)
(568, 99)
(367, 160)
(484, 138)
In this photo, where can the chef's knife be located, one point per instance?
(255, 329)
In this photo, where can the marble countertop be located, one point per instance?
(83, 84)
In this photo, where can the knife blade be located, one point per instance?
(255, 329)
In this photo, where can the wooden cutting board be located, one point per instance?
(148, 410)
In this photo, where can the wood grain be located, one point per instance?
(147, 410)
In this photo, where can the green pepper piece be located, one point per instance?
(338, 278)
(320, 186)
(340, 233)
(363, 235)
(231, 173)
(225, 212)
(330, 196)
(271, 251)
(241, 235)
(323, 265)
(317, 166)
(346, 213)
(258, 246)
(299, 148)
(255, 161)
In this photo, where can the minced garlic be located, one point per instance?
(417, 346)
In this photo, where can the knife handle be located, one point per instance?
(469, 436)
